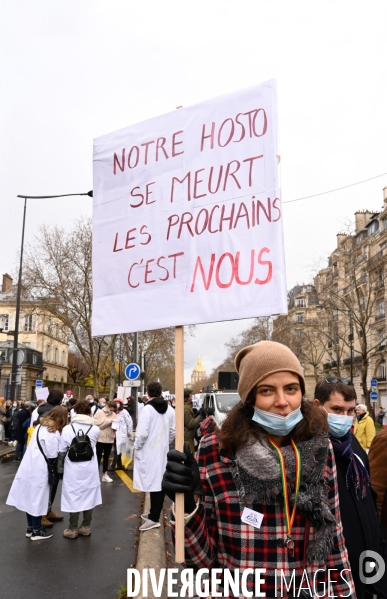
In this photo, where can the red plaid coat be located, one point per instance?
(215, 536)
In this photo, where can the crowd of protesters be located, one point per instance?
(286, 483)
(67, 439)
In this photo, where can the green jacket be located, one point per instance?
(190, 422)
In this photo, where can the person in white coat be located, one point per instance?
(81, 487)
(30, 491)
(155, 431)
(123, 425)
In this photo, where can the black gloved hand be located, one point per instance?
(182, 476)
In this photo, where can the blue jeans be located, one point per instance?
(34, 522)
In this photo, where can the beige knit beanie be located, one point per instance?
(256, 362)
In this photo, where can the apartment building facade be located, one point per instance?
(347, 317)
(38, 330)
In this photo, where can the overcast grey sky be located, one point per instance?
(74, 70)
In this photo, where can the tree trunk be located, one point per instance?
(364, 372)
(96, 384)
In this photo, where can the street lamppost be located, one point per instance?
(18, 297)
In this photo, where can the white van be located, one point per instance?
(222, 403)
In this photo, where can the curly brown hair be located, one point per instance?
(55, 419)
(239, 429)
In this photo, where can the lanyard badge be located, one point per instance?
(289, 517)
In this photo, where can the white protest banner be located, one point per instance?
(187, 223)
(42, 392)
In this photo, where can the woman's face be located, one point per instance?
(279, 393)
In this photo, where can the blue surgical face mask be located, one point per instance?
(338, 425)
(274, 424)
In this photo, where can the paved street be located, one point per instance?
(92, 567)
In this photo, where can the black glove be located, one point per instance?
(182, 476)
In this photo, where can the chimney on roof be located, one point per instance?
(362, 218)
(340, 239)
(385, 197)
(7, 283)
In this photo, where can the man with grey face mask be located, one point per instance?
(359, 517)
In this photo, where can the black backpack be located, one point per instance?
(80, 448)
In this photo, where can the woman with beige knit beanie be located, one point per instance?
(264, 491)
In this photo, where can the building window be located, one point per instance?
(299, 317)
(298, 333)
(381, 337)
(34, 358)
(382, 370)
(48, 326)
(380, 279)
(63, 358)
(28, 323)
(300, 302)
(384, 224)
(373, 227)
(380, 312)
(361, 302)
(4, 322)
(56, 355)
(335, 315)
(48, 353)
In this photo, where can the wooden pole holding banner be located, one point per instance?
(179, 438)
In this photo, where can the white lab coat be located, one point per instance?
(123, 426)
(30, 491)
(81, 487)
(153, 435)
(34, 417)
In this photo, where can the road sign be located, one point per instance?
(20, 356)
(374, 383)
(374, 395)
(132, 372)
(132, 383)
(38, 383)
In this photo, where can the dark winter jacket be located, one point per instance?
(13, 418)
(24, 415)
(360, 520)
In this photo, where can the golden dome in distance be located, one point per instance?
(199, 372)
(199, 366)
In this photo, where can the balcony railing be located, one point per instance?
(375, 260)
(380, 316)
